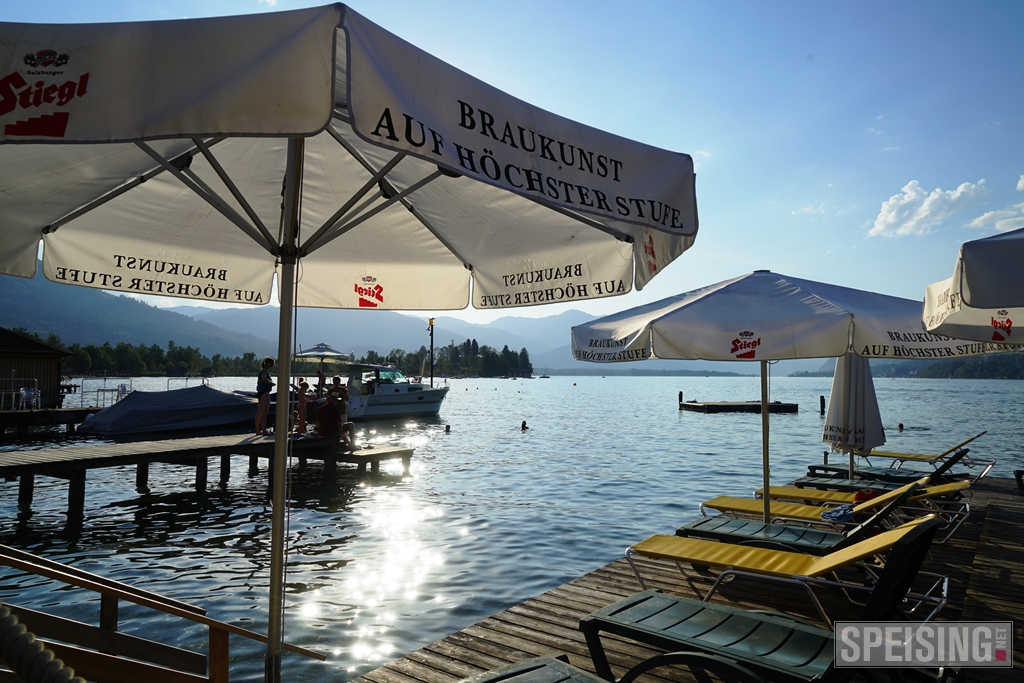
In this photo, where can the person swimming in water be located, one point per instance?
(523, 426)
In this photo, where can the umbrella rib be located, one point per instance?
(179, 160)
(617, 234)
(341, 230)
(209, 197)
(438, 236)
(347, 206)
(235, 192)
(621, 236)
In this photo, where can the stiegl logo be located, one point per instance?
(744, 345)
(19, 92)
(371, 295)
(1002, 326)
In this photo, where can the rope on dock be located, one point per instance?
(28, 657)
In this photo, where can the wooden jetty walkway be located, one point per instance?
(72, 463)
(984, 560)
(21, 420)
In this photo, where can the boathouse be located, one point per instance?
(28, 364)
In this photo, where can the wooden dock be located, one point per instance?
(984, 560)
(21, 420)
(72, 463)
(736, 407)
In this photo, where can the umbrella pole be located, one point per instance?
(286, 284)
(765, 476)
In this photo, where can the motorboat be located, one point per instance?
(381, 391)
(178, 410)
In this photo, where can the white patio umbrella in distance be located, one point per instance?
(323, 353)
(984, 298)
(765, 316)
(853, 423)
(200, 158)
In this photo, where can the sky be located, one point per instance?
(857, 143)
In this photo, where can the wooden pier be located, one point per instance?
(72, 463)
(984, 560)
(736, 407)
(21, 420)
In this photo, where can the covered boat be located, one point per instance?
(193, 408)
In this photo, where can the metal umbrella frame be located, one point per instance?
(230, 151)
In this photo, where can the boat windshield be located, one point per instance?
(392, 376)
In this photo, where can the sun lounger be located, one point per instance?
(806, 570)
(798, 538)
(823, 497)
(797, 512)
(920, 457)
(945, 500)
(942, 464)
(775, 646)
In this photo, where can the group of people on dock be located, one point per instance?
(327, 407)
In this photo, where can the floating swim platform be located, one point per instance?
(736, 406)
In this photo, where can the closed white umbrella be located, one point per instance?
(766, 316)
(853, 423)
(201, 158)
(984, 299)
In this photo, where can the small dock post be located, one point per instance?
(76, 495)
(822, 398)
(254, 465)
(330, 467)
(202, 467)
(26, 488)
(680, 400)
(142, 477)
(225, 469)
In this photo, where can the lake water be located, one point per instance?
(489, 516)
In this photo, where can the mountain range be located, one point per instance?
(90, 316)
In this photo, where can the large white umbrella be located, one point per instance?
(984, 298)
(853, 423)
(766, 316)
(200, 158)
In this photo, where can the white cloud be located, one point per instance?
(269, 3)
(809, 209)
(875, 131)
(707, 155)
(891, 149)
(915, 212)
(1003, 220)
(1020, 184)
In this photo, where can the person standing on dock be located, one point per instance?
(263, 386)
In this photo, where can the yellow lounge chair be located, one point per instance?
(820, 497)
(928, 500)
(808, 514)
(921, 457)
(806, 570)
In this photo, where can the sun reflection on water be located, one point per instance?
(390, 566)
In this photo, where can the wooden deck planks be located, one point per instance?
(984, 560)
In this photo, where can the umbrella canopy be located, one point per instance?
(985, 295)
(853, 423)
(323, 353)
(415, 180)
(201, 158)
(766, 316)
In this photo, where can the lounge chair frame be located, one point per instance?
(776, 646)
(937, 594)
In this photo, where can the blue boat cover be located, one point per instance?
(193, 408)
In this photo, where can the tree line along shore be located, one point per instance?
(124, 359)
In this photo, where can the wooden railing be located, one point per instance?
(101, 654)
